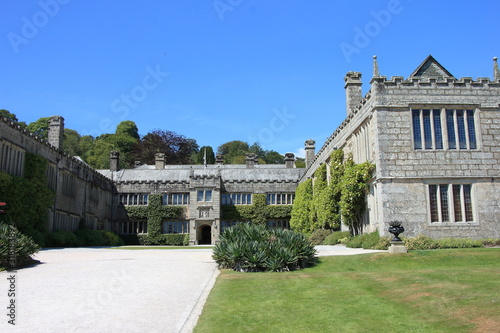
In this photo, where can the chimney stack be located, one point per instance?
(352, 91)
(289, 160)
(159, 161)
(114, 159)
(310, 152)
(56, 131)
(250, 160)
(219, 160)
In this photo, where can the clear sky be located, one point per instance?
(221, 70)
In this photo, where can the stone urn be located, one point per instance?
(396, 228)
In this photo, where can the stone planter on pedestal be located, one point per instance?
(397, 245)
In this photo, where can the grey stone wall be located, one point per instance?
(399, 190)
(82, 194)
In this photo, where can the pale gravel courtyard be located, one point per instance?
(114, 290)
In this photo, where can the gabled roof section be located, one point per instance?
(431, 68)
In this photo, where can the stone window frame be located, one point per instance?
(467, 200)
(278, 224)
(175, 227)
(12, 158)
(134, 227)
(134, 199)
(285, 198)
(207, 195)
(440, 135)
(239, 198)
(175, 199)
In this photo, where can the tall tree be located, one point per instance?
(210, 156)
(40, 127)
(127, 128)
(177, 148)
(12, 117)
(273, 157)
(71, 142)
(234, 151)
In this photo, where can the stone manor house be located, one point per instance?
(435, 141)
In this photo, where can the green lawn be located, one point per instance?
(422, 291)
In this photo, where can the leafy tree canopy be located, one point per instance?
(40, 127)
(199, 157)
(177, 148)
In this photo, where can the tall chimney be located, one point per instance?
(352, 91)
(159, 161)
(250, 160)
(114, 159)
(289, 160)
(219, 160)
(310, 152)
(56, 131)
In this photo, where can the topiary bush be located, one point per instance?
(318, 236)
(15, 248)
(255, 248)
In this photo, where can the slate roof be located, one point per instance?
(431, 68)
(228, 173)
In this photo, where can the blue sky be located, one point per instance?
(222, 70)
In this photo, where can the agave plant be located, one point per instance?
(251, 248)
(15, 247)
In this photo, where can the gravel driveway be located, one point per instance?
(110, 290)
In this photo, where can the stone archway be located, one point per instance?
(205, 234)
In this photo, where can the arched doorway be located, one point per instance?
(206, 234)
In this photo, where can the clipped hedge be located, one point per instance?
(164, 239)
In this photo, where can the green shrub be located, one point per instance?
(15, 248)
(61, 239)
(489, 242)
(365, 241)
(336, 236)
(111, 238)
(132, 239)
(383, 243)
(253, 248)
(89, 237)
(164, 239)
(318, 236)
(370, 240)
(37, 236)
(421, 242)
(458, 243)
